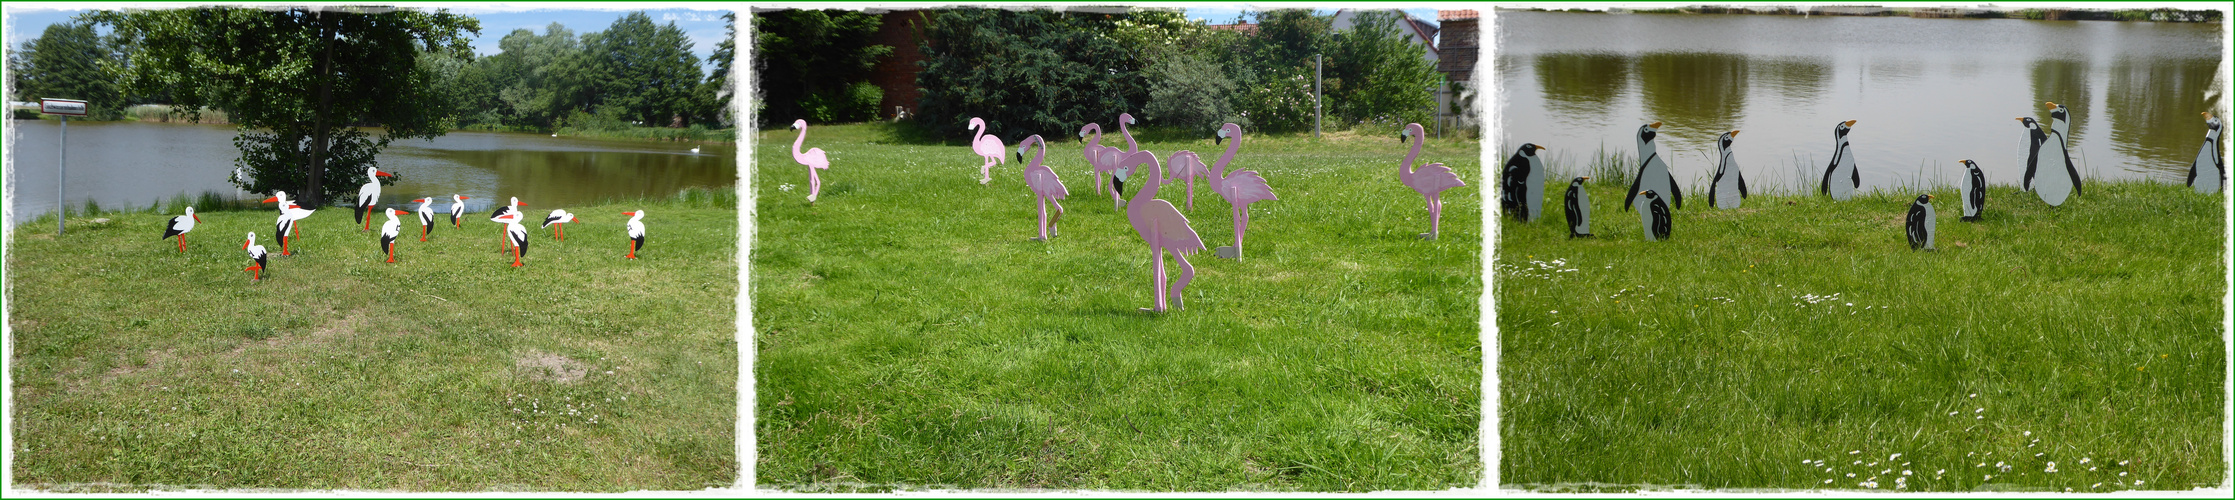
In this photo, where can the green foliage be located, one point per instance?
(1277, 74)
(1190, 91)
(1025, 73)
(811, 62)
(714, 95)
(1378, 75)
(298, 81)
(645, 69)
(64, 62)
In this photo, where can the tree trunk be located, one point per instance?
(319, 134)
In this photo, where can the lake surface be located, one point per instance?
(1925, 92)
(130, 164)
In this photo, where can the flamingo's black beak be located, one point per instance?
(1020, 157)
(1218, 140)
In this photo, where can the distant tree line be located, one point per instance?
(1048, 72)
(635, 73)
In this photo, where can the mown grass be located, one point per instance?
(1797, 340)
(910, 336)
(139, 368)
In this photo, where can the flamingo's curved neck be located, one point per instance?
(1218, 171)
(1096, 129)
(1040, 156)
(796, 143)
(1404, 171)
(979, 127)
(1130, 146)
(1156, 171)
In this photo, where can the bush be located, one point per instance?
(1191, 92)
(1025, 73)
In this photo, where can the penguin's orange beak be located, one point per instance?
(1655, 125)
(2051, 104)
(1850, 123)
(1542, 147)
(1586, 178)
(1734, 133)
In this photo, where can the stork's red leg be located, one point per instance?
(516, 256)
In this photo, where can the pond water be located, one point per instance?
(1925, 92)
(131, 164)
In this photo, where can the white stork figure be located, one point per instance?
(560, 218)
(256, 252)
(179, 226)
(457, 209)
(426, 216)
(388, 232)
(636, 231)
(368, 195)
(519, 236)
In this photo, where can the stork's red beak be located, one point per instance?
(465, 197)
(273, 199)
(383, 174)
(244, 244)
(197, 218)
(631, 214)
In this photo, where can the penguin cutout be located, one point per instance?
(1579, 209)
(1652, 171)
(1509, 183)
(2208, 172)
(1974, 192)
(1920, 223)
(1653, 214)
(2060, 123)
(2044, 156)
(1729, 186)
(1841, 179)
(1524, 179)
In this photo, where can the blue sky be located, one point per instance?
(703, 25)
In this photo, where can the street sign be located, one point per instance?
(70, 107)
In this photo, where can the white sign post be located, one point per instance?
(67, 108)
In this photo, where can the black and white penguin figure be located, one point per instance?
(1841, 179)
(2048, 169)
(2060, 122)
(2209, 171)
(1523, 180)
(1652, 170)
(1654, 215)
(1920, 223)
(1729, 186)
(1974, 191)
(1579, 209)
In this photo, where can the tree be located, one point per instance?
(541, 75)
(1036, 72)
(1190, 91)
(65, 62)
(1381, 76)
(645, 70)
(1275, 68)
(811, 64)
(298, 81)
(714, 95)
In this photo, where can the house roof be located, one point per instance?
(1457, 15)
(1243, 28)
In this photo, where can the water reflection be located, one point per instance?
(2154, 108)
(2065, 82)
(1794, 80)
(1580, 84)
(1694, 94)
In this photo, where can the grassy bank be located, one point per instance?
(910, 336)
(1799, 343)
(141, 368)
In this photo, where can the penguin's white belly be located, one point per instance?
(1931, 226)
(1654, 177)
(2207, 169)
(1843, 177)
(1726, 187)
(1644, 210)
(1583, 206)
(1533, 194)
(2051, 179)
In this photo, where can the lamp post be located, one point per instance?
(66, 108)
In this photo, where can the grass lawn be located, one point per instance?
(1798, 343)
(910, 335)
(140, 368)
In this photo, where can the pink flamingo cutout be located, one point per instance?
(1186, 167)
(814, 158)
(1430, 180)
(1164, 228)
(1093, 153)
(1046, 186)
(987, 146)
(1240, 188)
